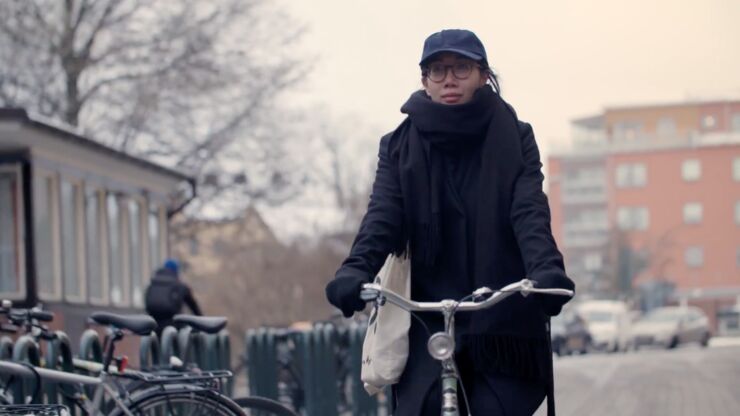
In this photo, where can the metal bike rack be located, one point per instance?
(59, 357)
(25, 350)
(262, 362)
(149, 351)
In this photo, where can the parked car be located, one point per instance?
(671, 326)
(609, 323)
(569, 334)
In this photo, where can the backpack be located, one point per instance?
(164, 296)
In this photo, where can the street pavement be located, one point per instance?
(687, 381)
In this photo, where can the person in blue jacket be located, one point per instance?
(458, 189)
(167, 294)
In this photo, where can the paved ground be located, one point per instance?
(687, 381)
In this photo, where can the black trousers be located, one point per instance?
(491, 395)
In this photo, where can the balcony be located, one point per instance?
(584, 198)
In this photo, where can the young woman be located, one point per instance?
(459, 183)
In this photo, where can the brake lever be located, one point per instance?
(369, 294)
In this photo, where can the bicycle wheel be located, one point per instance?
(176, 400)
(253, 406)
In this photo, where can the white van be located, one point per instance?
(609, 323)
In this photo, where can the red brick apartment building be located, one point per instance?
(664, 180)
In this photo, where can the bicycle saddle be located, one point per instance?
(207, 324)
(138, 324)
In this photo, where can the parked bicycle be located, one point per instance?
(166, 394)
(441, 345)
(191, 347)
(130, 389)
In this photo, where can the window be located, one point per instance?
(633, 218)
(737, 257)
(71, 241)
(735, 122)
(666, 127)
(691, 170)
(736, 169)
(115, 258)
(692, 213)
(708, 122)
(45, 227)
(627, 130)
(12, 272)
(694, 256)
(97, 285)
(155, 244)
(629, 175)
(135, 256)
(592, 262)
(737, 212)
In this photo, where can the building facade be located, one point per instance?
(81, 225)
(649, 197)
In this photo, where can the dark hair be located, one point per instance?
(492, 77)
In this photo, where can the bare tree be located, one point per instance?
(343, 159)
(187, 83)
(626, 261)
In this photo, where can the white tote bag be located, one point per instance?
(386, 345)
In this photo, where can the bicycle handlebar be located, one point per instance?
(371, 291)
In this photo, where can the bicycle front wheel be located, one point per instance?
(253, 406)
(173, 400)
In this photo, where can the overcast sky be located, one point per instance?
(557, 60)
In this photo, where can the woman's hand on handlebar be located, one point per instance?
(344, 293)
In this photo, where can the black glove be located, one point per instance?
(553, 304)
(344, 293)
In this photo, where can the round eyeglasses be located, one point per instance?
(437, 72)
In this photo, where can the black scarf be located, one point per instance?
(430, 129)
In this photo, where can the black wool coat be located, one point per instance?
(512, 338)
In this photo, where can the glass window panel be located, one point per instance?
(736, 122)
(694, 256)
(135, 259)
(10, 233)
(643, 218)
(666, 127)
(43, 191)
(95, 275)
(154, 238)
(692, 213)
(115, 263)
(691, 170)
(70, 240)
(624, 218)
(639, 174)
(623, 175)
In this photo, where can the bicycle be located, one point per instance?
(191, 327)
(441, 345)
(176, 370)
(172, 393)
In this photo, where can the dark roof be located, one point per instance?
(65, 133)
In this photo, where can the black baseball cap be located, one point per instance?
(461, 41)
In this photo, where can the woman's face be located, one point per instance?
(456, 87)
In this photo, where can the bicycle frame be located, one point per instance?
(90, 406)
(449, 376)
